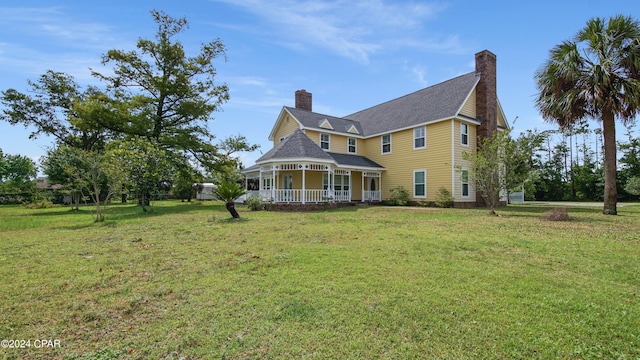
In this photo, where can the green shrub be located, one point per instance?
(633, 186)
(444, 199)
(399, 196)
(254, 203)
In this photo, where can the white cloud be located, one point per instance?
(355, 29)
(419, 72)
(54, 25)
(52, 39)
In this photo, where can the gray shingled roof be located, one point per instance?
(354, 160)
(299, 146)
(296, 146)
(312, 120)
(436, 102)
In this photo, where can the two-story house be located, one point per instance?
(416, 141)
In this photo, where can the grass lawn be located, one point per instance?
(188, 282)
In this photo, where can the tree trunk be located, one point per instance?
(143, 200)
(123, 195)
(610, 189)
(232, 209)
(96, 192)
(75, 199)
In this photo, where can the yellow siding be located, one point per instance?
(356, 186)
(337, 143)
(315, 136)
(403, 160)
(469, 107)
(314, 180)
(286, 126)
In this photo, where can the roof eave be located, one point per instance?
(297, 159)
(347, 166)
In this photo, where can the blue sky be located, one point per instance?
(349, 54)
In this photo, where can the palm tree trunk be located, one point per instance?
(232, 209)
(610, 189)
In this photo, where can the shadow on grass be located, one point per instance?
(524, 210)
(118, 211)
(594, 214)
(229, 220)
(161, 208)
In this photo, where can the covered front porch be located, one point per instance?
(312, 182)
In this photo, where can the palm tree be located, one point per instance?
(595, 75)
(229, 191)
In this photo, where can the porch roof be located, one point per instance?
(350, 160)
(295, 146)
(298, 147)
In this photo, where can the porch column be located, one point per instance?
(362, 195)
(260, 183)
(330, 175)
(273, 183)
(302, 196)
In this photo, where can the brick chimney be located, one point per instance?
(303, 100)
(486, 98)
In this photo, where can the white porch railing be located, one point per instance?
(369, 195)
(312, 196)
(341, 195)
(296, 195)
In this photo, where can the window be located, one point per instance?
(464, 182)
(386, 144)
(420, 138)
(351, 145)
(266, 184)
(324, 141)
(340, 182)
(464, 134)
(419, 183)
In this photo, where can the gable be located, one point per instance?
(353, 130)
(284, 126)
(326, 124)
(469, 106)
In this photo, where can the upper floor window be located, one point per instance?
(464, 134)
(351, 145)
(324, 141)
(386, 144)
(420, 137)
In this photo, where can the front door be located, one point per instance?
(287, 186)
(287, 181)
